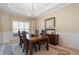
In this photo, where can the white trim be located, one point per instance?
(5, 37)
(53, 10)
(0, 38)
(2, 49)
(10, 9)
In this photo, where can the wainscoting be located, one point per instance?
(0, 38)
(69, 39)
(66, 39)
(7, 37)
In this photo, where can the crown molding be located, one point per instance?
(10, 9)
(53, 10)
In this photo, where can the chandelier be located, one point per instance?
(33, 10)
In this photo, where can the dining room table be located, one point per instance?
(38, 38)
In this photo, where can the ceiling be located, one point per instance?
(29, 9)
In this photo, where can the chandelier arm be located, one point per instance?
(33, 10)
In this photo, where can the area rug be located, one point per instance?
(52, 51)
(14, 49)
(7, 49)
(1, 49)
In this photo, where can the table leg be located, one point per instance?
(47, 44)
(30, 47)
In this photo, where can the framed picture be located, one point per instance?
(50, 23)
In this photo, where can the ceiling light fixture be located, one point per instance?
(33, 10)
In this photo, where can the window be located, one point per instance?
(22, 26)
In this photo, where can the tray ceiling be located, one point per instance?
(29, 9)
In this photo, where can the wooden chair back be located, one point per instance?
(43, 33)
(36, 32)
(20, 39)
(25, 40)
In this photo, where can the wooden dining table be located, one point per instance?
(37, 39)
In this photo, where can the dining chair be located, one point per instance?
(43, 34)
(36, 32)
(20, 39)
(26, 43)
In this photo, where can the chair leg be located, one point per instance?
(20, 45)
(38, 47)
(23, 49)
(35, 48)
(26, 52)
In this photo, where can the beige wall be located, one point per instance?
(5, 22)
(67, 19)
(17, 18)
(67, 24)
(4, 17)
(0, 24)
(0, 32)
(7, 19)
